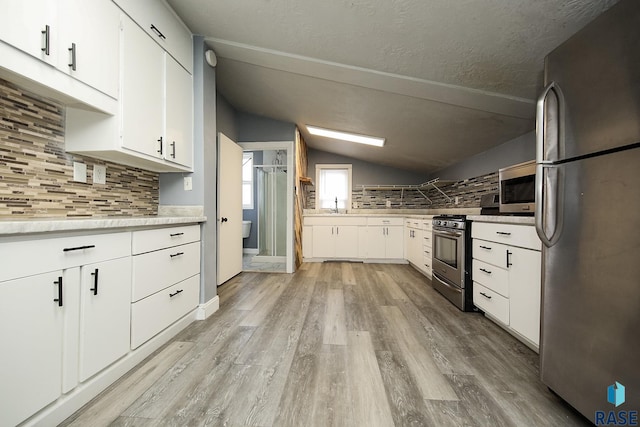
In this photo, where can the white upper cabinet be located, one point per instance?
(179, 114)
(89, 43)
(159, 21)
(142, 103)
(31, 26)
(79, 38)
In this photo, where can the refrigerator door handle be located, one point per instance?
(549, 195)
(546, 115)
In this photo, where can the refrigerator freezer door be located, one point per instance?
(598, 73)
(591, 285)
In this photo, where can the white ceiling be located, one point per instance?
(442, 80)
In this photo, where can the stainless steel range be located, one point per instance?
(452, 259)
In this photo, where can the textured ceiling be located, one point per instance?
(441, 79)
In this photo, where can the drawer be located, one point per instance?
(428, 254)
(154, 271)
(161, 238)
(21, 258)
(427, 238)
(384, 221)
(524, 236)
(155, 313)
(337, 219)
(492, 277)
(490, 252)
(413, 223)
(491, 303)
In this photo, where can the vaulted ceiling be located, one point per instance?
(441, 80)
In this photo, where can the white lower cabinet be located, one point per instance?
(334, 237)
(105, 315)
(414, 251)
(507, 277)
(31, 324)
(385, 239)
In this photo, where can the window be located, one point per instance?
(333, 183)
(247, 181)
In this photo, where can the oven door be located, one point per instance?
(448, 255)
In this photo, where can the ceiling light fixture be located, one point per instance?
(344, 136)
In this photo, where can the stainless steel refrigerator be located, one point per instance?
(588, 213)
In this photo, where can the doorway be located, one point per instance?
(268, 245)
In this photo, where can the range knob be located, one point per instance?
(455, 225)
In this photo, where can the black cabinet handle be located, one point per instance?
(95, 282)
(171, 295)
(485, 247)
(486, 271)
(175, 234)
(72, 51)
(79, 248)
(173, 149)
(509, 264)
(176, 254)
(503, 233)
(223, 219)
(485, 295)
(46, 33)
(160, 141)
(59, 283)
(157, 31)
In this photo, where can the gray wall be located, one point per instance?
(363, 173)
(512, 152)
(253, 128)
(252, 214)
(226, 118)
(205, 171)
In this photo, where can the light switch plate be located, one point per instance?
(79, 172)
(188, 183)
(99, 174)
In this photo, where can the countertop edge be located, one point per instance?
(503, 219)
(12, 228)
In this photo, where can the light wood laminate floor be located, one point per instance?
(335, 344)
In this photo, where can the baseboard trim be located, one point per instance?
(208, 308)
(69, 403)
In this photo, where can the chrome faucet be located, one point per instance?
(336, 206)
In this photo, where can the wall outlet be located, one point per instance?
(99, 174)
(188, 183)
(79, 172)
(388, 203)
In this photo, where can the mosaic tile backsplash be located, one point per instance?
(468, 191)
(36, 174)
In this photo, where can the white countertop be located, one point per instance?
(503, 219)
(45, 225)
(406, 213)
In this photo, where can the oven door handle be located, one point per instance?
(448, 233)
(453, 288)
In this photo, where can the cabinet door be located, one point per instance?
(394, 242)
(524, 292)
(416, 253)
(22, 24)
(31, 325)
(179, 116)
(376, 242)
(93, 29)
(105, 314)
(346, 241)
(324, 245)
(142, 101)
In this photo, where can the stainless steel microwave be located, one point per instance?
(518, 188)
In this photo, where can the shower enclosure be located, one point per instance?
(272, 213)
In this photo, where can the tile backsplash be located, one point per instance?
(468, 192)
(36, 174)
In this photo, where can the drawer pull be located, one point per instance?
(503, 233)
(509, 264)
(171, 295)
(59, 283)
(485, 247)
(176, 254)
(79, 248)
(175, 234)
(485, 295)
(95, 282)
(486, 271)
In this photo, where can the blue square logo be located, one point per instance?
(615, 394)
